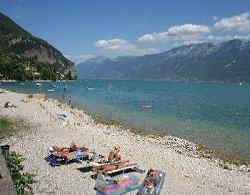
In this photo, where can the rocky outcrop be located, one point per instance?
(30, 53)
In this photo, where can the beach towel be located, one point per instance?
(55, 160)
(81, 155)
(120, 185)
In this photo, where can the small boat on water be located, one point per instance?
(38, 84)
(146, 106)
(90, 88)
(51, 90)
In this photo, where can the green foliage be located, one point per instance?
(7, 26)
(6, 128)
(48, 73)
(16, 45)
(69, 76)
(24, 68)
(13, 67)
(22, 180)
(9, 127)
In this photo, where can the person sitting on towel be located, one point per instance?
(114, 155)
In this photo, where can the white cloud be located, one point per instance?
(246, 37)
(114, 45)
(148, 38)
(224, 29)
(216, 38)
(240, 23)
(215, 18)
(186, 32)
(79, 58)
(188, 29)
(121, 47)
(67, 56)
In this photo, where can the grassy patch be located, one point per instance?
(9, 127)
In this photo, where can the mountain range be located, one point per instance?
(26, 57)
(227, 61)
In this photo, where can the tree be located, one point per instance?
(4, 64)
(69, 75)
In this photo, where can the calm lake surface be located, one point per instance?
(215, 114)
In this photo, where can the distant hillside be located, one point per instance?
(24, 56)
(227, 61)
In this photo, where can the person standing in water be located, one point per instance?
(69, 101)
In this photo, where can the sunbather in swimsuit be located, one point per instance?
(151, 179)
(111, 167)
(73, 152)
(114, 155)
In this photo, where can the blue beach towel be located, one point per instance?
(79, 155)
(54, 160)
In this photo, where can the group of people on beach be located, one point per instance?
(68, 152)
(113, 162)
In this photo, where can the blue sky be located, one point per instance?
(81, 29)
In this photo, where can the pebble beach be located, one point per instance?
(186, 172)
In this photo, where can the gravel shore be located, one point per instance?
(186, 172)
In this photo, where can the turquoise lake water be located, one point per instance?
(215, 114)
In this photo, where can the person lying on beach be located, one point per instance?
(70, 152)
(66, 154)
(152, 179)
(58, 149)
(111, 167)
(9, 105)
(114, 155)
(72, 148)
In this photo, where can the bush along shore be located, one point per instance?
(190, 167)
(22, 180)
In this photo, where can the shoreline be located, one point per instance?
(178, 157)
(226, 160)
